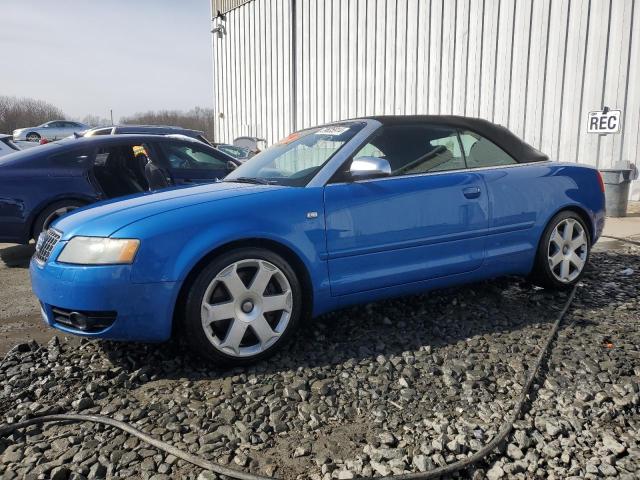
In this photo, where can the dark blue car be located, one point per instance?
(41, 184)
(331, 216)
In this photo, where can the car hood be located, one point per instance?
(104, 218)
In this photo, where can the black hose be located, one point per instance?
(240, 475)
(125, 427)
(508, 426)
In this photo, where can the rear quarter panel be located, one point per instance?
(25, 192)
(523, 200)
(581, 189)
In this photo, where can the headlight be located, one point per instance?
(99, 251)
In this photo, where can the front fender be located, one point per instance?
(172, 243)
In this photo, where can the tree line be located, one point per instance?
(27, 112)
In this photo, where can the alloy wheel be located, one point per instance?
(246, 307)
(567, 250)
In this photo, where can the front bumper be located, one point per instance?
(143, 311)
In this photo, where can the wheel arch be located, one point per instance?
(50, 201)
(535, 273)
(578, 210)
(281, 249)
(582, 213)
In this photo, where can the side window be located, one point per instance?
(131, 157)
(370, 150)
(102, 156)
(414, 149)
(74, 158)
(181, 156)
(481, 152)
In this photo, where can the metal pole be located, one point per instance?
(293, 110)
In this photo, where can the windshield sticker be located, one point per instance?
(289, 139)
(332, 131)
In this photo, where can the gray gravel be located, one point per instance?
(392, 387)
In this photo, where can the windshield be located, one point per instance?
(295, 160)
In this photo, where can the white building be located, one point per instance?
(536, 66)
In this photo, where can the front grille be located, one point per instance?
(46, 241)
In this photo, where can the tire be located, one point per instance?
(33, 137)
(560, 260)
(52, 212)
(224, 319)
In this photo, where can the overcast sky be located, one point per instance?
(88, 56)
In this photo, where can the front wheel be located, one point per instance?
(33, 137)
(243, 307)
(563, 252)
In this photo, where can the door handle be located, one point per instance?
(471, 192)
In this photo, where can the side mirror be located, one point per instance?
(231, 166)
(369, 167)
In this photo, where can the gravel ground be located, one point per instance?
(20, 318)
(391, 387)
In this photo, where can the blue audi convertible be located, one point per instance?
(331, 216)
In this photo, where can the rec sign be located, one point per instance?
(604, 121)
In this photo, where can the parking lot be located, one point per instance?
(398, 386)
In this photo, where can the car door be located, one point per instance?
(189, 162)
(56, 131)
(48, 130)
(68, 129)
(427, 220)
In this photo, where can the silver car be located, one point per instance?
(53, 130)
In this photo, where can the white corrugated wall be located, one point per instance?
(536, 66)
(252, 71)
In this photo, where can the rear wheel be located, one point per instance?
(243, 307)
(563, 251)
(53, 212)
(33, 137)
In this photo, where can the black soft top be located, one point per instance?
(501, 136)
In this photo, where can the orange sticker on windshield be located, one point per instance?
(289, 139)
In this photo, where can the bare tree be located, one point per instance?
(196, 119)
(95, 121)
(26, 112)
